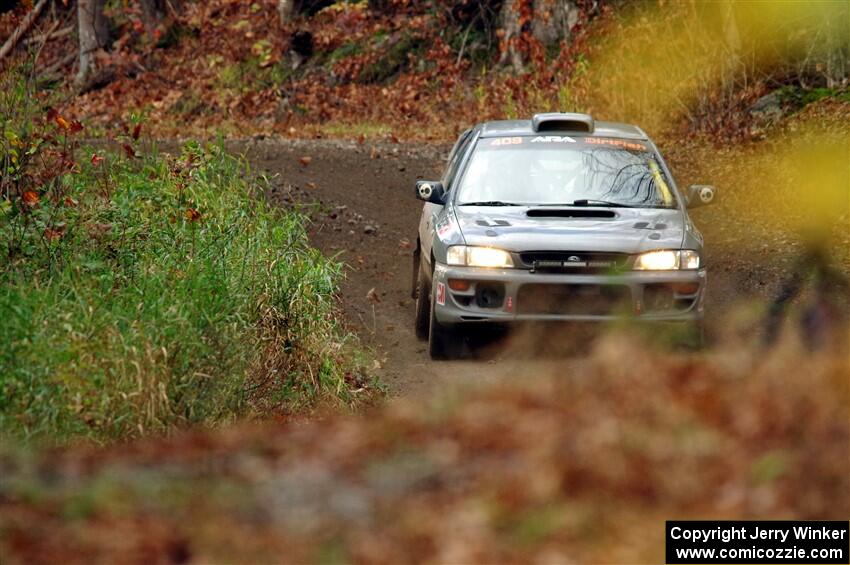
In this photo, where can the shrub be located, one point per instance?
(139, 293)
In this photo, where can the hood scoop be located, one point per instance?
(492, 223)
(569, 213)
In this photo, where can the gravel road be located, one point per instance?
(360, 200)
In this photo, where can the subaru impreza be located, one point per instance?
(556, 218)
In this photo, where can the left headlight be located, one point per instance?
(478, 256)
(667, 260)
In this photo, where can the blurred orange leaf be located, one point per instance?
(193, 215)
(30, 198)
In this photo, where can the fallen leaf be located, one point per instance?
(305, 160)
(53, 234)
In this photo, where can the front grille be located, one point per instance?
(573, 261)
(573, 299)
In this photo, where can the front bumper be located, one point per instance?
(510, 295)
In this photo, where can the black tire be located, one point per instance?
(423, 307)
(443, 342)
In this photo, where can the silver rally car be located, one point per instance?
(559, 218)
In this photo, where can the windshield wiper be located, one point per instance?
(490, 203)
(592, 202)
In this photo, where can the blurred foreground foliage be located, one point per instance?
(579, 466)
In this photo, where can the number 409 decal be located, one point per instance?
(506, 141)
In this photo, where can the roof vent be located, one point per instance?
(562, 121)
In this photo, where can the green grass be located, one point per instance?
(797, 97)
(353, 130)
(172, 295)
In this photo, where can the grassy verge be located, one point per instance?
(139, 293)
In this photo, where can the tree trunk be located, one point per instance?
(553, 20)
(285, 10)
(93, 34)
(546, 21)
(155, 11)
(511, 34)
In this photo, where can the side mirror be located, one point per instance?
(701, 195)
(430, 191)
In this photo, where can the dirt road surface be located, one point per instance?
(360, 199)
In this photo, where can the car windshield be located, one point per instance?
(561, 170)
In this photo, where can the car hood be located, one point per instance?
(630, 230)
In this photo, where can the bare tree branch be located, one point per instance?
(22, 29)
(47, 36)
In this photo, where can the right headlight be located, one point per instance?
(478, 256)
(667, 260)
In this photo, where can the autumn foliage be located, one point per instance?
(580, 467)
(425, 69)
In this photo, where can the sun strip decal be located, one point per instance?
(624, 143)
